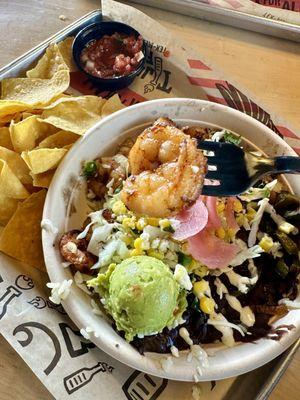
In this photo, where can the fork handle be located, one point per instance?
(287, 164)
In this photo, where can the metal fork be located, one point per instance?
(237, 170)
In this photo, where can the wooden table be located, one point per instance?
(268, 67)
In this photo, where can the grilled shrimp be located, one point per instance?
(167, 171)
(74, 251)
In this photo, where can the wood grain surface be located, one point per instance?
(267, 67)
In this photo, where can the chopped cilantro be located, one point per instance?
(231, 138)
(90, 169)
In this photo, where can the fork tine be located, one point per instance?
(211, 190)
(207, 145)
(213, 175)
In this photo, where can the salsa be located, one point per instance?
(112, 55)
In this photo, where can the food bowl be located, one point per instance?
(105, 135)
(96, 31)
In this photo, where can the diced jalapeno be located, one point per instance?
(90, 169)
(282, 269)
(287, 243)
(231, 138)
(184, 259)
(169, 229)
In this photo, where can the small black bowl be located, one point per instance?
(96, 31)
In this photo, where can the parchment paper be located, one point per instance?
(40, 331)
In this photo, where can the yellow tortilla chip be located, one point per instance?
(5, 138)
(58, 140)
(65, 48)
(35, 91)
(44, 179)
(51, 62)
(16, 164)
(9, 108)
(112, 105)
(10, 185)
(7, 208)
(26, 133)
(21, 238)
(42, 160)
(75, 114)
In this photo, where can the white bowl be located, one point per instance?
(226, 362)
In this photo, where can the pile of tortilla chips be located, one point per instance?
(39, 122)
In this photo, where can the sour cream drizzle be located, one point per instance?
(246, 315)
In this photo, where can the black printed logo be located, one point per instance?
(83, 376)
(26, 342)
(8, 296)
(85, 345)
(140, 386)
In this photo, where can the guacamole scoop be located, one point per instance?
(141, 295)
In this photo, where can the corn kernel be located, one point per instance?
(119, 208)
(138, 244)
(231, 233)
(200, 287)
(207, 305)
(135, 252)
(152, 221)
(237, 206)
(266, 243)
(141, 223)
(220, 232)
(220, 207)
(250, 214)
(155, 254)
(127, 239)
(197, 268)
(240, 219)
(164, 223)
(129, 222)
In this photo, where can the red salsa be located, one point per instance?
(112, 55)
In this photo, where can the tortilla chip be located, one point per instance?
(47, 66)
(9, 108)
(112, 105)
(7, 208)
(65, 48)
(58, 140)
(10, 185)
(42, 160)
(5, 138)
(21, 238)
(16, 164)
(44, 179)
(74, 114)
(26, 133)
(35, 91)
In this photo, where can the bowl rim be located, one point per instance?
(255, 359)
(76, 53)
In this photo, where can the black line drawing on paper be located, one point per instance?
(237, 100)
(84, 344)
(40, 303)
(141, 386)
(24, 343)
(24, 282)
(83, 376)
(57, 307)
(9, 295)
(149, 87)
